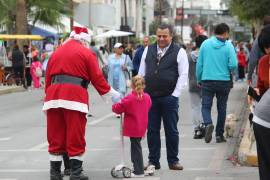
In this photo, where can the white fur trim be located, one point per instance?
(80, 158)
(85, 37)
(81, 36)
(60, 103)
(55, 157)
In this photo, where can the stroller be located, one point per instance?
(121, 170)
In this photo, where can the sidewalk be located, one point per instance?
(10, 89)
(247, 154)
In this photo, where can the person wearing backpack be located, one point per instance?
(36, 72)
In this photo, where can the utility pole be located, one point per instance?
(125, 9)
(71, 7)
(160, 11)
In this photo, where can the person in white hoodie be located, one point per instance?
(195, 89)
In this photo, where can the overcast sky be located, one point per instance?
(215, 4)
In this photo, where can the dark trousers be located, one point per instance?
(28, 77)
(136, 155)
(221, 90)
(19, 75)
(241, 72)
(262, 135)
(166, 108)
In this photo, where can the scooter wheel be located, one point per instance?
(113, 173)
(126, 172)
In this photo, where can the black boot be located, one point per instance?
(76, 170)
(55, 171)
(66, 165)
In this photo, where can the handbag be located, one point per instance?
(127, 74)
(105, 71)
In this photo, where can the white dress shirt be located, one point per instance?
(183, 65)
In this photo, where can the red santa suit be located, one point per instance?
(67, 103)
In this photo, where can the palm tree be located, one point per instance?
(47, 12)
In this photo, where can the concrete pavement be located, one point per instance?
(10, 89)
(23, 146)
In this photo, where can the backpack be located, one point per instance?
(38, 72)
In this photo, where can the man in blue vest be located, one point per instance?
(164, 66)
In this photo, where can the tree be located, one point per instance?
(47, 12)
(250, 11)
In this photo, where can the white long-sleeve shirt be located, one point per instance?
(183, 65)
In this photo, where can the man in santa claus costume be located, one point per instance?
(70, 69)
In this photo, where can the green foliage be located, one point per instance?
(250, 10)
(153, 27)
(46, 12)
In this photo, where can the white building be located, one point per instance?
(101, 15)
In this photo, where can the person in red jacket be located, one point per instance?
(70, 69)
(135, 106)
(242, 63)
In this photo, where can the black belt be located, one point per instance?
(67, 79)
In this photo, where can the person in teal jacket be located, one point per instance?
(217, 59)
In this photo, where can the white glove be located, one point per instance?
(112, 94)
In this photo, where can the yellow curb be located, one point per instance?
(11, 89)
(246, 155)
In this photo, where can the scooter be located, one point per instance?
(121, 170)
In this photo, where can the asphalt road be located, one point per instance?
(23, 144)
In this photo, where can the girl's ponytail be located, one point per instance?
(138, 85)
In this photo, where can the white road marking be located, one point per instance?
(214, 178)
(39, 146)
(101, 119)
(218, 157)
(45, 144)
(5, 139)
(107, 149)
(7, 179)
(107, 169)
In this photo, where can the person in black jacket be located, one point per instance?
(18, 65)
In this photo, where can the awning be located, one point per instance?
(43, 32)
(113, 33)
(23, 37)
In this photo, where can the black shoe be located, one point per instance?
(202, 129)
(197, 134)
(220, 139)
(67, 172)
(55, 170)
(77, 170)
(157, 166)
(208, 133)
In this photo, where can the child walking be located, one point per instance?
(135, 107)
(36, 72)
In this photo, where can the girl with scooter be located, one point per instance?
(135, 107)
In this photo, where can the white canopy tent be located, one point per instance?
(113, 33)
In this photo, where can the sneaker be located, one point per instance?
(208, 133)
(220, 139)
(197, 134)
(137, 175)
(157, 166)
(202, 129)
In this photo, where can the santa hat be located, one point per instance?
(80, 33)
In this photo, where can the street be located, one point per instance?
(23, 143)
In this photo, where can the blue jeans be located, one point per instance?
(221, 90)
(167, 109)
